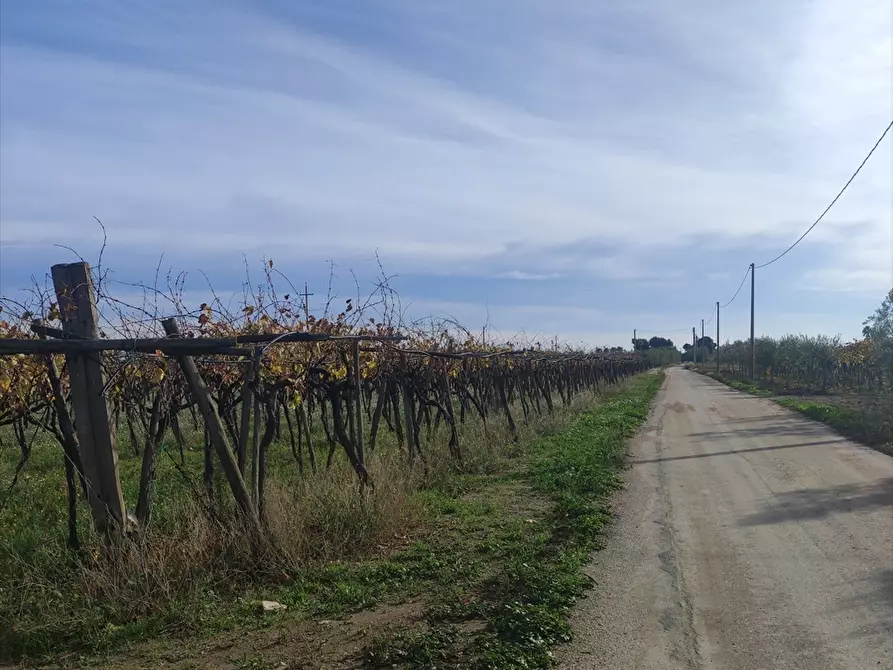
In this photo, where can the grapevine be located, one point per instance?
(434, 381)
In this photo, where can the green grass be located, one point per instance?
(429, 649)
(738, 384)
(747, 387)
(530, 569)
(576, 469)
(45, 608)
(861, 426)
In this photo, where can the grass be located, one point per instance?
(529, 567)
(868, 422)
(197, 572)
(865, 427)
(494, 553)
(747, 387)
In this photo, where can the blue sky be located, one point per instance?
(570, 167)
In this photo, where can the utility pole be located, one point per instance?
(635, 341)
(694, 344)
(717, 335)
(753, 356)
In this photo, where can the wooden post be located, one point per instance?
(70, 448)
(216, 431)
(255, 442)
(95, 428)
(358, 400)
(408, 419)
(147, 469)
(245, 421)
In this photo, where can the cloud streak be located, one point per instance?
(583, 148)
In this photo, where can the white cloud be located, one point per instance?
(644, 128)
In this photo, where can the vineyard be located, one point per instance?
(255, 422)
(818, 363)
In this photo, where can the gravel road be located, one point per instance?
(748, 538)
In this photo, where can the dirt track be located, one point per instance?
(747, 538)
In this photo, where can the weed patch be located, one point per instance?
(576, 469)
(528, 543)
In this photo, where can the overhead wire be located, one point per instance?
(811, 227)
(743, 279)
(664, 330)
(836, 198)
(808, 230)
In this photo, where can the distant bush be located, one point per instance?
(663, 356)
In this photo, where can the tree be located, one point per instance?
(660, 343)
(879, 329)
(686, 347)
(640, 344)
(707, 343)
(879, 326)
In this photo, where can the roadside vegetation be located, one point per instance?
(484, 563)
(848, 386)
(543, 518)
(357, 487)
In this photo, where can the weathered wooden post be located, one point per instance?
(245, 421)
(358, 401)
(216, 430)
(95, 428)
(408, 413)
(255, 442)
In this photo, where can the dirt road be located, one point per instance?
(747, 538)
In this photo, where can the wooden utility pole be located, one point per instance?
(635, 341)
(694, 344)
(95, 427)
(753, 355)
(717, 335)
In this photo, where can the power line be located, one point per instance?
(752, 267)
(743, 279)
(664, 330)
(828, 208)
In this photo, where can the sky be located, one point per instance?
(567, 168)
